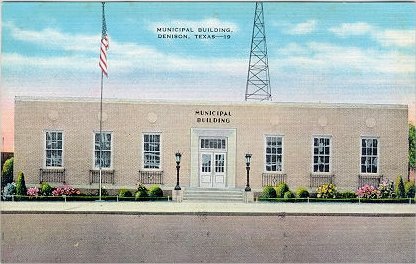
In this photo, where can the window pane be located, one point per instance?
(321, 154)
(369, 152)
(53, 146)
(273, 152)
(151, 151)
(102, 141)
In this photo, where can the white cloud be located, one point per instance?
(54, 39)
(326, 56)
(122, 56)
(399, 38)
(303, 28)
(51, 62)
(351, 29)
(386, 37)
(211, 23)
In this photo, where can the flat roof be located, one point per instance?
(207, 103)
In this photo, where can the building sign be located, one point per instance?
(213, 116)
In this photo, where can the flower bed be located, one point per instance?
(82, 198)
(338, 200)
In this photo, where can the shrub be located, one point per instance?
(386, 189)
(327, 190)
(368, 192)
(142, 192)
(410, 189)
(65, 190)
(45, 189)
(9, 190)
(268, 192)
(288, 195)
(155, 191)
(7, 172)
(399, 187)
(103, 191)
(124, 193)
(347, 195)
(281, 189)
(21, 184)
(32, 191)
(302, 193)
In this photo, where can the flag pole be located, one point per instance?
(101, 129)
(104, 32)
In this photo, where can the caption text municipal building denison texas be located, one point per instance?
(302, 144)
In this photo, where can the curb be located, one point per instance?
(277, 214)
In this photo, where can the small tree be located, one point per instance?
(7, 172)
(410, 189)
(21, 184)
(45, 189)
(399, 187)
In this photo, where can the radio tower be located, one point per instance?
(258, 77)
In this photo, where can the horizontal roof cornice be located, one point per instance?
(207, 103)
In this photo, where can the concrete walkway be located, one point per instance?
(209, 208)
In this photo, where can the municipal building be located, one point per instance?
(302, 144)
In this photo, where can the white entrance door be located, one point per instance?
(212, 169)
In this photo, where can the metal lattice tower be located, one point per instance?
(258, 77)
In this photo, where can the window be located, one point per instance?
(106, 140)
(213, 143)
(53, 149)
(274, 153)
(321, 154)
(369, 155)
(151, 151)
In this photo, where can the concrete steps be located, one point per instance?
(223, 195)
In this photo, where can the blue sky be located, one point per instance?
(328, 52)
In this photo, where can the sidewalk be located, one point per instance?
(209, 208)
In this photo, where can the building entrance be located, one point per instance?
(213, 162)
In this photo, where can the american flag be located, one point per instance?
(104, 47)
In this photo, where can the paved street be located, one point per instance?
(206, 238)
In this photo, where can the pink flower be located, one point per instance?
(32, 191)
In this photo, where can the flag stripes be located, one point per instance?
(104, 47)
(103, 55)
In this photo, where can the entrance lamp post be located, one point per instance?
(178, 161)
(248, 159)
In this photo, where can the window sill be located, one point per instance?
(374, 175)
(103, 169)
(53, 168)
(322, 173)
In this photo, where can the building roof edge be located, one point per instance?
(208, 103)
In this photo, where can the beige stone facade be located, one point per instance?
(181, 125)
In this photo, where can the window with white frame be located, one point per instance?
(53, 149)
(321, 154)
(151, 151)
(274, 153)
(369, 155)
(103, 155)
